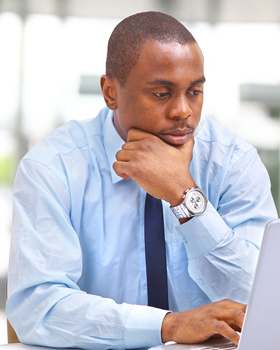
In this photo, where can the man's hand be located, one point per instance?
(196, 325)
(160, 169)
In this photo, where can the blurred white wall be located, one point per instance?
(57, 52)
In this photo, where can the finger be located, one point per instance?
(187, 149)
(232, 317)
(137, 135)
(124, 176)
(131, 145)
(238, 318)
(121, 169)
(230, 312)
(221, 327)
(216, 336)
(189, 144)
(235, 327)
(227, 304)
(231, 304)
(123, 155)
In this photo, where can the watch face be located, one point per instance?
(195, 202)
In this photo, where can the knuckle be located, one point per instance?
(221, 326)
(145, 146)
(233, 335)
(134, 167)
(115, 167)
(225, 303)
(237, 313)
(212, 309)
(131, 132)
(118, 155)
(228, 301)
(127, 146)
(156, 140)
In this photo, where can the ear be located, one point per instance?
(109, 90)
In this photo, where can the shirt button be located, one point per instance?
(185, 241)
(201, 281)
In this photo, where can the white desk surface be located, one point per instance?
(20, 346)
(168, 346)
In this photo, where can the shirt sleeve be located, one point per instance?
(45, 305)
(223, 243)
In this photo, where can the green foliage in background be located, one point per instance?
(270, 159)
(7, 169)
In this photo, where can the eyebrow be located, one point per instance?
(199, 81)
(170, 83)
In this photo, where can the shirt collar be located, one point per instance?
(113, 143)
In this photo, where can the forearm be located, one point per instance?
(57, 316)
(222, 260)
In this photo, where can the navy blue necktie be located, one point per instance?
(155, 254)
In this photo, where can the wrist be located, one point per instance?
(167, 328)
(178, 195)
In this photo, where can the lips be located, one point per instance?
(175, 140)
(178, 132)
(176, 137)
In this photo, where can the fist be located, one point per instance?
(160, 169)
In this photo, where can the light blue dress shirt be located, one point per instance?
(77, 275)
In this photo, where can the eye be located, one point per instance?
(161, 94)
(196, 92)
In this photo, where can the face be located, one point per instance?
(163, 94)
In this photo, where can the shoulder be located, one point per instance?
(71, 136)
(220, 149)
(215, 139)
(213, 132)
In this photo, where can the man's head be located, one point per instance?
(130, 35)
(154, 77)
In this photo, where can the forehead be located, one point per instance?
(170, 61)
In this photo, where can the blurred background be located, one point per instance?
(52, 53)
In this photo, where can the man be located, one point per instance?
(78, 273)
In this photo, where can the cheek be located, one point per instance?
(130, 109)
(149, 119)
(140, 113)
(196, 108)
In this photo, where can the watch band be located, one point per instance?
(180, 211)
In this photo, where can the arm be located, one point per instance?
(45, 305)
(223, 256)
(223, 243)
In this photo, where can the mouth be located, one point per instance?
(176, 137)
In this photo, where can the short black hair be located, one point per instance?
(130, 35)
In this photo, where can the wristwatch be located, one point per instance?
(194, 203)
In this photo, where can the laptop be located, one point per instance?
(261, 327)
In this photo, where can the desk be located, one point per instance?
(168, 346)
(20, 346)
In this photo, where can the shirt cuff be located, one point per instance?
(202, 233)
(143, 327)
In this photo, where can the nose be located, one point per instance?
(180, 108)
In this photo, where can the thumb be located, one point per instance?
(187, 149)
